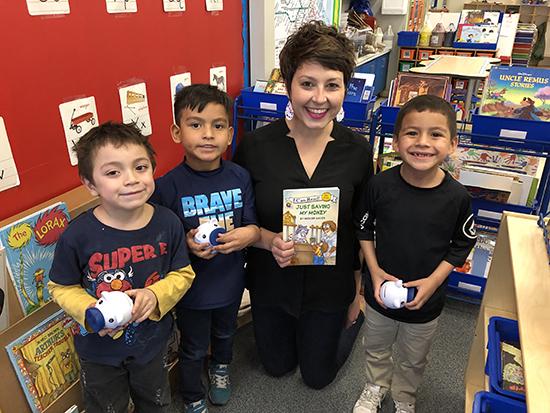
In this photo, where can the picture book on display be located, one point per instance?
(310, 219)
(45, 361)
(29, 245)
(479, 260)
(512, 367)
(517, 92)
(409, 85)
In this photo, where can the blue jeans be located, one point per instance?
(199, 329)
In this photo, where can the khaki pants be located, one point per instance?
(412, 343)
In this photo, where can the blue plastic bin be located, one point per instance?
(357, 114)
(485, 402)
(407, 39)
(388, 115)
(500, 329)
(510, 132)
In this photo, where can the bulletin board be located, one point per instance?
(48, 60)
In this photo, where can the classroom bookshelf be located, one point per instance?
(518, 288)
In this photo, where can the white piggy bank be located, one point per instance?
(112, 310)
(208, 232)
(394, 295)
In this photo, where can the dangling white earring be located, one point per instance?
(340, 115)
(289, 111)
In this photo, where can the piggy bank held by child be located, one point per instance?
(112, 310)
(394, 295)
(208, 232)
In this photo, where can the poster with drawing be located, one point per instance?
(8, 172)
(121, 6)
(29, 245)
(178, 82)
(173, 5)
(214, 5)
(47, 7)
(135, 109)
(45, 360)
(78, 117)
(218, 76)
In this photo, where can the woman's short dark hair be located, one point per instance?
(317, 42)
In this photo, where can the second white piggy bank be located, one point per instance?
(394, 295)
(208, 232)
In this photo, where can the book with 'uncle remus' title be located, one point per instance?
(310, 219)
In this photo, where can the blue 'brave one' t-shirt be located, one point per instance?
(196, 197)
(101, 258)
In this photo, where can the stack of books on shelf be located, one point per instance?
(526, 35)
(497, 176)
(274, 84)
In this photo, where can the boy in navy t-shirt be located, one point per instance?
(124, 244)
(201, 188)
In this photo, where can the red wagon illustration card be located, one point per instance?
(78, 117)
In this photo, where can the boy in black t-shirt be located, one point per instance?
(124, 244)
(205, 187)
(416, 226)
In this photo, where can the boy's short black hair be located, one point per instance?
(116, 134)
(319, 43)
(198, 96)
(428, 103)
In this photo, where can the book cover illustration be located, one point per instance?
(512, 367)
(480, 257)
(517, 92)
(45, 361)
(410, 85)
(310, 219)
(30, 244)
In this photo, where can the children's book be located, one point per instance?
(512, 367)
(354, 93)
(310, 219)
(45, 361)
(410, 85)
(30, 245)
(479, 260)
(517, 92)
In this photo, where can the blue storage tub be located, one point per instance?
(388, 115)
(500, 329)
(357, 114)
(485, 402)
(510, 132)
(407, 39)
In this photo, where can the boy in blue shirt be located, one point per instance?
(416, 225)
(203, 187)
(124, 244)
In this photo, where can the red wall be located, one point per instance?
(45, 61)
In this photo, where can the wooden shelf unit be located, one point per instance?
(518, 287)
